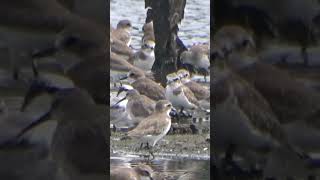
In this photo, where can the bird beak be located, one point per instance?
(35, 123)
(123, 78)
(135, 28)
(119, 101)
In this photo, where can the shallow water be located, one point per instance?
(170, 169)
(194, 28)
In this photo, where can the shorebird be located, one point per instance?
(119, 67)
(144, 58)
(154, 127)
(233, 38)
(141, 171)
(244, 119)
(148, 32)
(280, 89)
(145, 86)
(79, 142)
(120, 48)
(122, 32)
(179, 95)
(200, 92)
(138, 106)
(197, 57)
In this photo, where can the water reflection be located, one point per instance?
(169, 169)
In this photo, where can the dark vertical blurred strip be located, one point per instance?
(213, 172)
(107, 10)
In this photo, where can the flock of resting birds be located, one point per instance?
(266, 89)
(146, 105)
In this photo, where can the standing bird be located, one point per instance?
(144, 58)
(138, 106)
(197, 57)
(153, 128)
(179, 95)
(200, 92)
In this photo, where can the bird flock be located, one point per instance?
(142, 107)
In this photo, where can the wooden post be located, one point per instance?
(166, 14)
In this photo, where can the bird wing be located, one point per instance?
(145, 86)
(152, 125)
(257, 109)
(199, 91)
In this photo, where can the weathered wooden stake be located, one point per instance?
(166, 14)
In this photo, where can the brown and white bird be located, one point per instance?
(148, 32)
(154, 127)
(145, 86)
(119, 67)
(138, 106)
(122, 32)
(144, 58)
(179, 95)
(200, 92)
(197, 56)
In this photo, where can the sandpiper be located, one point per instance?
(200, 92)
(127, 173)
(138, 106)
(154, 127)
(144, 58)
(122, 32)
(179, 95)
(145, 86)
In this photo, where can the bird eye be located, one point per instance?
(169, 105)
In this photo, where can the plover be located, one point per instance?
(233, 38)
(145, 86)
(198, 57)
(144, 58)
(200, 92)
(279, 88)
(244, 120)
(79, 142)
(179, 95)
(122, 32)
(138, 106)
(148, 32)
(154, 127)
(120, 48)
(128, 173)
(119, 67)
